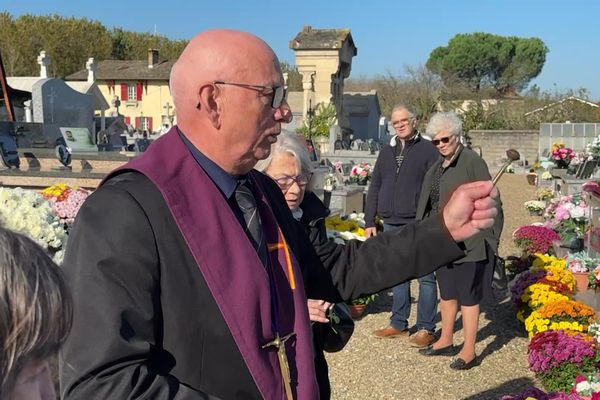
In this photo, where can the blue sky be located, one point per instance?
(388, 34)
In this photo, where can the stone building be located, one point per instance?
(324, 59)
(139, 88)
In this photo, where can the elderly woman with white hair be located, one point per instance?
(465, 281)
(290, 167)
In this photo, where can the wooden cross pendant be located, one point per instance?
(279, 343)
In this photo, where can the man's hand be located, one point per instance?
(372, 231)
(317, 310)
(471, 209)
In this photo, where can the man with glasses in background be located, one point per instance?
(192, 288)
(393, 196)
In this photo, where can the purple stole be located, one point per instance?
(232, 269)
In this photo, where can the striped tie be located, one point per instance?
(254, 230)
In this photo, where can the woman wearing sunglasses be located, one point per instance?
(465, 281)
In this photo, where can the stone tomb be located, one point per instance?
(56, 104)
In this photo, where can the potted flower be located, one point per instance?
(568, 215)
(361, 173)
(580, 265)
(65, 201)
(594, 278)
(330, 182)
(593, 148)
(587, 386)
(546, 175)
(515, 265)
(535, 207)
(561, 155)
(558, 358)
(594, 331)
(346, 228)
(357, 306)
(29, 213)
(533, 239)
(570, 315)
(544, 194)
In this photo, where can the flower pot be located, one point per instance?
(581, 281)
(356, 310)
(532, 179)
(536, 213)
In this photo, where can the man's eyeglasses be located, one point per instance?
(444, 140)
(402, 121)
(278, 93)
(285, 182)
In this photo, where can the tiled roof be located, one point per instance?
(566, 99)
(317, 39)
(127, 70)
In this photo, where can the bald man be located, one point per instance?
(179, 293)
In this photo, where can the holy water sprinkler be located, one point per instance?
(512, 155)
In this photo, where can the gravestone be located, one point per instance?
(579, 169)
(589, 166)
(347, 199)
(55, 103)
(335, 132)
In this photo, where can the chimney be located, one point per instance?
(152, 57)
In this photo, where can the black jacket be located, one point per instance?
(313, 217)
(394, 192)
(145, 323)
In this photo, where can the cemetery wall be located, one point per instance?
(494, 144)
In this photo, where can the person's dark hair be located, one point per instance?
(35, 306)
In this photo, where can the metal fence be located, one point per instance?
(575, 136)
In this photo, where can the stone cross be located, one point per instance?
(285, 79)
(168, 107)
(90, 65)
(44, 61)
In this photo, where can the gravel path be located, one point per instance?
(370, 368)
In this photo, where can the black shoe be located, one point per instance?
(460, 364)
(444, 351)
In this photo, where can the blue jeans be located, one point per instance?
(427, 303)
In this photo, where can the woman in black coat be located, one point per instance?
(465, 281)
(290, 167)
